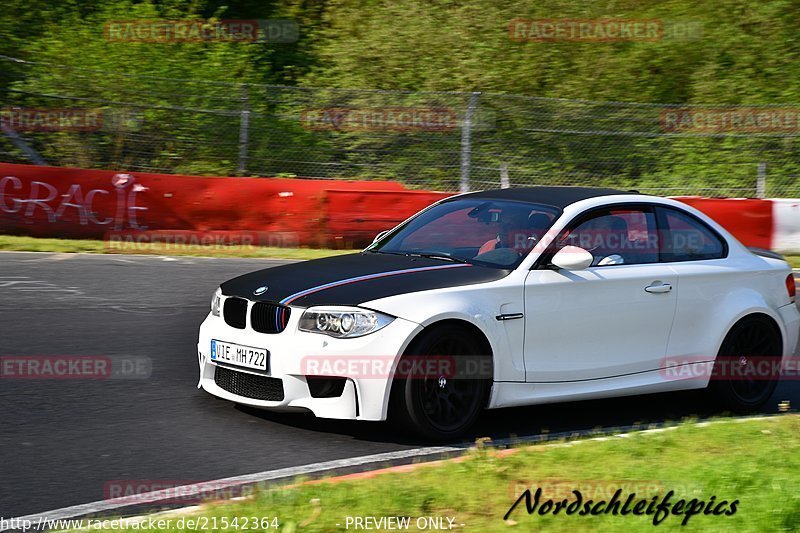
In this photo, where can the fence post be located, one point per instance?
(244, 131)
(505, 183)
(761, 181)
(466, 141)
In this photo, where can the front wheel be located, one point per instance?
(442, 406)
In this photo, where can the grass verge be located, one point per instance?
(31, 244)
(754, 461)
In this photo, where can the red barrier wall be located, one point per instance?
(355, 217)
(749, 220)
(71, 202)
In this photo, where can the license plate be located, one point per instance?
(239, 355)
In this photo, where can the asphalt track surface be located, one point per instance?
(63, 441)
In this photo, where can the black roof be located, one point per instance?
(559, 197)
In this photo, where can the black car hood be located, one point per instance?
(354, 278)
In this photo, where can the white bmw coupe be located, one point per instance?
(507, 298)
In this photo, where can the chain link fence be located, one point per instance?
(434, 140)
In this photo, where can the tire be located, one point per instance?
(440, 408)
(752, 341)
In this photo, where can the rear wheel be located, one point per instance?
(745, 372)
(442, 406)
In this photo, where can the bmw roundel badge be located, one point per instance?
(260, 290)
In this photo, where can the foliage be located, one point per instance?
(177, 107)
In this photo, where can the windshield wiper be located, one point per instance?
(427, 255)
(438, 255)
(385, 252)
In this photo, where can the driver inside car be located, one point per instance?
(519, 230)
(605, 238)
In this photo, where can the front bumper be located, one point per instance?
(294, 355)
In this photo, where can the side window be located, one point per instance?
(689, 239)
(616, 236)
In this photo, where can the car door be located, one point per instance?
(610, 319)
(696, 253)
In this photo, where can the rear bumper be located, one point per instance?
(296, 355)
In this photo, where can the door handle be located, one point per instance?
(656, 289)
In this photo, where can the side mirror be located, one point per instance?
(572, 258)
(380, 236)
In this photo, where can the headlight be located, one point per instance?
(343, 322)
(215, 302)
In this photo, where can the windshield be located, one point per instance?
(497, 233)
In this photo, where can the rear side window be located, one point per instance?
(685, 238)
